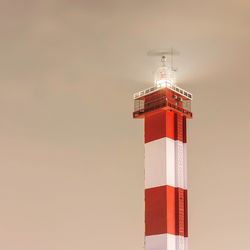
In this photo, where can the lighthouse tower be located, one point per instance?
(165, 109)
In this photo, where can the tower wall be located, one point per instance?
(166, 214)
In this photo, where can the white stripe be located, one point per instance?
(170, 160)
(165, 163)
(155, 163)
(166, 242)
(179, 166)
(185, 165)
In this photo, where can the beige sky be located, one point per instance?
(72, 157)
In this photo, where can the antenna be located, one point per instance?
(173, 52)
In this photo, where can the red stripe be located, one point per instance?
(166, 211)
(165, 124)
(186, 213)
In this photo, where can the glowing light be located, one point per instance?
(172, 77)
(164, 74)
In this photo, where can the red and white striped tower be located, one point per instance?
(165, 109)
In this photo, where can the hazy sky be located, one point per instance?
(71, 165)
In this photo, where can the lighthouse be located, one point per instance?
(165, 108)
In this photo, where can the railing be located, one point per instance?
(153, 89)
(181, 110)
(159, 104)
(143, 107)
